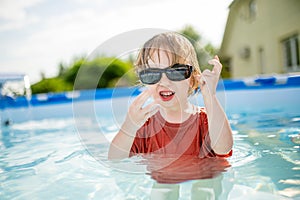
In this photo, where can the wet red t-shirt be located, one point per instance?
(187, 138)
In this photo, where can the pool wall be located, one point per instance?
(275, 92)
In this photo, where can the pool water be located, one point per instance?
(55, 158)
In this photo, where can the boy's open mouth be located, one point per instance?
(166, 95)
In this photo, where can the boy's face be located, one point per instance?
(169, 94)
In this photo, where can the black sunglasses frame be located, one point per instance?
(169, 71)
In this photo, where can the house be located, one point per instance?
(261, 37)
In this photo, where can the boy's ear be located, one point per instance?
(192, 81)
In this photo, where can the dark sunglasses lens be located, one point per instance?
(149, 76)
(179, 72)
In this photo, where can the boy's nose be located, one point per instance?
(164, 78)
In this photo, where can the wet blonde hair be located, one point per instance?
(178, 50)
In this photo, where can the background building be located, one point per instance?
(261, 37)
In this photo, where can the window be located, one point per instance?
(248, 11)
(252, 9)
(291, 53)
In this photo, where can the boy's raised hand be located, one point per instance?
(137, 114)
(209, 79)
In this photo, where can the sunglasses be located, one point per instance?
(177, 72)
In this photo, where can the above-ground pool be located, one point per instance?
(54, 146)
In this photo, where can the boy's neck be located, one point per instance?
(176, 115)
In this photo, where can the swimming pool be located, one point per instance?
(56, 147)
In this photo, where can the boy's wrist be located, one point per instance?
(129, 129)
(210, 100)
(209, 95)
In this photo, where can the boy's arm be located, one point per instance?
(135, 118)
(122, 142)
(219, 128)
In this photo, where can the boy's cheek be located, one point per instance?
(151, 88)
(153, 91)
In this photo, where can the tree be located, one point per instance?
(70, 73)
(204, 52)
(104, 72)
(192, 35)
(51, 85)
(100, 72)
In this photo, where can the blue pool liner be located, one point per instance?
(253, 83)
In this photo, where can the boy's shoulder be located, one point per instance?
(201, 109)
(198, 110)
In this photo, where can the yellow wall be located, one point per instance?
(274, 21)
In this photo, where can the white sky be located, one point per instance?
(36, 35)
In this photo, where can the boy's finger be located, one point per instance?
(214, 62)
(150, 107)
(201, 79)
(142, 98)
(217, 69)
(152, 112)
(217, 66)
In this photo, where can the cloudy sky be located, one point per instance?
(36, 35)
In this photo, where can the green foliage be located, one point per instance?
(70, 73)
(193, 35)
(101, 72)
(104, 72)
(51, 85)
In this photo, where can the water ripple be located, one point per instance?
(243, 154)
(72, 155)
(29, 164)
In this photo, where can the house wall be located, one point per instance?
(260, 34)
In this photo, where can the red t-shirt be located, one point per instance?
(187, 138)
